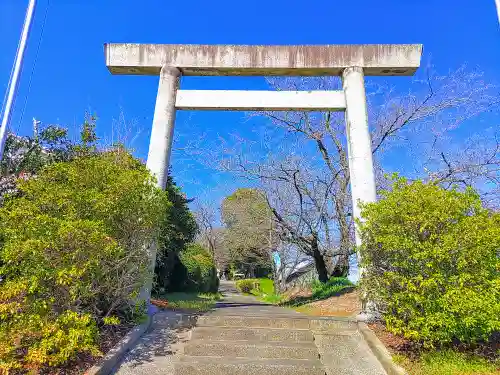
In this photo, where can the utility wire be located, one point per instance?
(10, 78)
(40, 39)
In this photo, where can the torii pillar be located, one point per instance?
(351, 62)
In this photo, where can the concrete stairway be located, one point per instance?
(243, 336)
(256, 343)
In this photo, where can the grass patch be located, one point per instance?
(333, 287)
(266, 287)
(262, 288)
(447, 362)
(265, 292)
(274, 299)
(192, 302)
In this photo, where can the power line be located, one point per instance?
(40, 39)
(10, 77)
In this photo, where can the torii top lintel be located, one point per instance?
(245, 60)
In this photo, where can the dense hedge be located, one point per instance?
(178, 229)
(73, 256)
(199, 269)
(431, 259)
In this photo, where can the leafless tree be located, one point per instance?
(206, 216)
(222, 253)
(305, 169)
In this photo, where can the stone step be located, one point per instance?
(251, 349)
(347, 355)
(276, 321)
(172, 319)
(253, 321)
(242, 366)
(252, 334)
(337, 324)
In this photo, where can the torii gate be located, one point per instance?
(351, 62)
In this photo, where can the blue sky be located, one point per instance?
(71, 76)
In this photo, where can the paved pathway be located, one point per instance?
(245, 337)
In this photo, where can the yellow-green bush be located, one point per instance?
(73, 255)
(431, 259)
(247, 285)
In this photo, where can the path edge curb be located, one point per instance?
(111, 358)
(380, 351)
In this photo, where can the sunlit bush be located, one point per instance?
(73, 256)
(247, 285)
(431, 259)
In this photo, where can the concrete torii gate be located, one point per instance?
(351, 62)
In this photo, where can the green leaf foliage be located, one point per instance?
(73, 256)
(30, 154)
(431, 259)
(249, 233)
(199, 268)
(178, 229)
(48, 144)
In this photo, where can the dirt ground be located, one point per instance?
(347, 304)
(395, 344)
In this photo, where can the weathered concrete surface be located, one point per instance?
(380, 351)
(160, 149)
(160, 144)
(282, 318)
(154, 353)
(276, 350)
(112, 358)
(347, 354)
(253, 334)
(247, 366)
(239, 100)
(310, 60)
(359, 146)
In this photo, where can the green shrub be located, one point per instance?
(432, 261)
(201, 274)
(247, 285)
(262, 288)
(73, 256)
(332, 287)
(178, 229)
